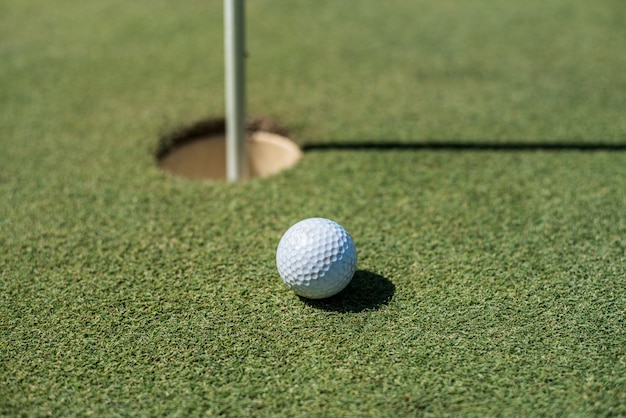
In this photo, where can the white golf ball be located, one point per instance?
(316, 258)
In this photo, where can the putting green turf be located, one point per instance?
(491, 271)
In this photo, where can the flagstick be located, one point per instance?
(235, 54)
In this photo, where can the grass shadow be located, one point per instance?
(366, 291)
(462, 146)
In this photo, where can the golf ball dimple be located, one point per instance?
(316, 258)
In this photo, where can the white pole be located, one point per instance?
(235, 54)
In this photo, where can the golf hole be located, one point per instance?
(199, 152)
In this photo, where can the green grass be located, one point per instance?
(491, 280)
